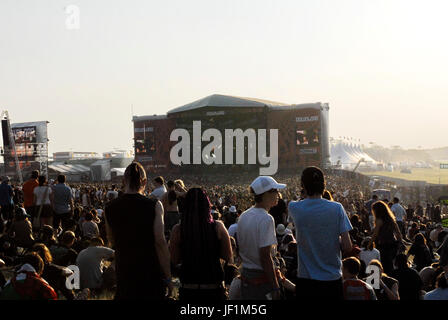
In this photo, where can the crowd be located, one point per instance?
(218, 237)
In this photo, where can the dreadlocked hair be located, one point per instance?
(198, 230)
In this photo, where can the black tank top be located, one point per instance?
(131, 219)
(203, 266)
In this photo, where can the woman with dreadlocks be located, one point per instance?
(198, 244)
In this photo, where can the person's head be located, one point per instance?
(20, 214)
(382, 212)
(396, 200)
(313, 181)
(68, 238)
(61, 178)
(135, 177)
(43, 252)
(42, 180)
(34, 260)
(180, 183)
(34, 174)
(89, 216)
(374, 197)
(442, 281)
(264, 190)
(375, 262)
(414, 225)
(350, 267)
(159, 181)
(367, 244)
(401, 261)
(96, 242)
(420, 239)
(47, 233)
(170, 185)
(327, 195)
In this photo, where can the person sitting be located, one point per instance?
(89, 227)
(90, 264)
(27, 284)
(441, 291)
(63, 254)
(21, 229)
(354, 288)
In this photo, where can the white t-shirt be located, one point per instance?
(159, 192)
(255, 230)
(111, 194)
(368, 255)
(39, 193)
(399, 211)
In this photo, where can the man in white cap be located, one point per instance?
(257, 240)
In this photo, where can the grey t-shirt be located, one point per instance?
(62, 198)
(90, 264)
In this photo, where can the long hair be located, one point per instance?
(382, 211)
(195, 223)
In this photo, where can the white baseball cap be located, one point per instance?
(232, 209)
(265, 183)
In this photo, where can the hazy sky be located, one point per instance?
(381, 65)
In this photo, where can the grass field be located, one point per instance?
(430, 175)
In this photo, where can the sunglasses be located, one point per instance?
(273, 191)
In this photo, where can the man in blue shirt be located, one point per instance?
(322, 230)
(63, 203)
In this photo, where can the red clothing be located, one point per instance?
(28, 188)
(34, 287)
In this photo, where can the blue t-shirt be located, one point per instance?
(319, 223)
(62, 198)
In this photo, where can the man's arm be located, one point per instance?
(174, 245)
(109, 236)
(160, 242)
(268, 266)
(346, 242)
(224, 239)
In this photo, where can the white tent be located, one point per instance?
(348, 154)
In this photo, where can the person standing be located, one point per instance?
(368, 207)
(6, 202)
(386, 235)
(28, 195)
(160, 189)
(322, 230)
(42, 202)
(257, 240)
(62, 203)
(135, 229)
(198, 243)
(400, 216)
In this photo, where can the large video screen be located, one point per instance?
(24, 135)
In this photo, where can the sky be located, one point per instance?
(381, 65)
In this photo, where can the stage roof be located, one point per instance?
(218, 100)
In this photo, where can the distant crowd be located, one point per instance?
(302, 237)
